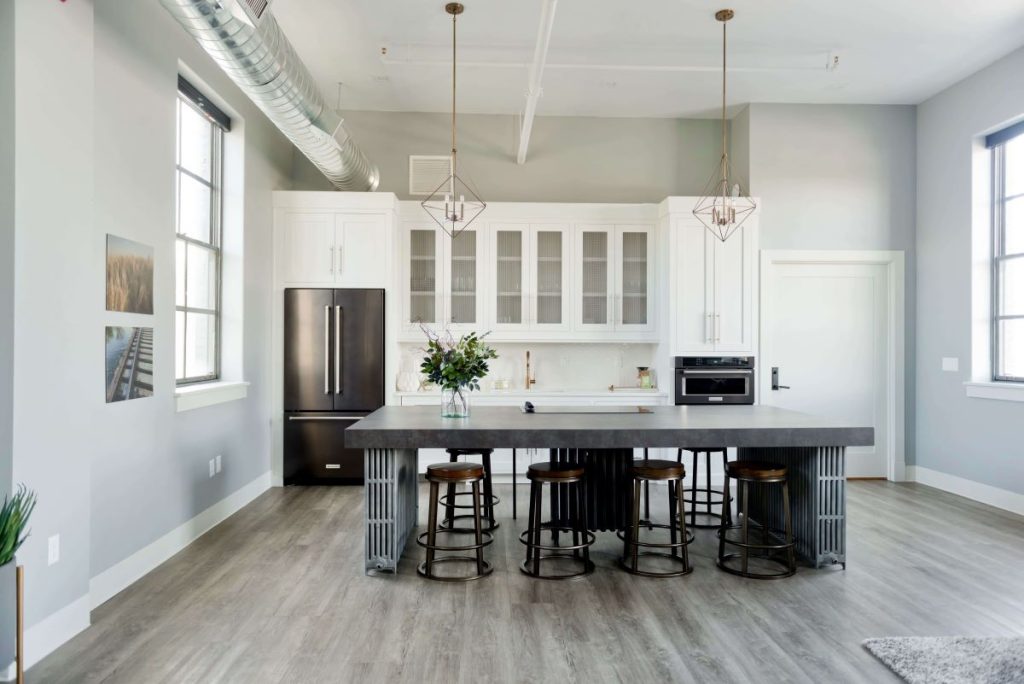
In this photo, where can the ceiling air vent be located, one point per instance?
(257, 7)
(427, 172)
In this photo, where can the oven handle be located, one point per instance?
(731, 371)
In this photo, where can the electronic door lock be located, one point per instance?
(775, 379)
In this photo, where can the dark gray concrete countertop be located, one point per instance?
(409, 427)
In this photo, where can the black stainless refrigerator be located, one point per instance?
(333, 377)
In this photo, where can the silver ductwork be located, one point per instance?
(251, 48)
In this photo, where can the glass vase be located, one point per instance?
(455, 403)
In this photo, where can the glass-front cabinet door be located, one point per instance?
(424, 254)
(634, 310)
(595, 285)
(549, 281)
(463, 283)
(509, 289)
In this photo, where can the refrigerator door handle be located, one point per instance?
(327, 349)
(337, 349)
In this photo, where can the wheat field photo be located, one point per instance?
(129, 276)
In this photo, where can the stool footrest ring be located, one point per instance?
(588, 540)
(488, 539)
(421, 569)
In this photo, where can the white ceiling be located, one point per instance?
(645, 57)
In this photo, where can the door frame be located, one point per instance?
(893, 260)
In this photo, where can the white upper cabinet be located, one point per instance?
(529, 287)
(615, 284)
(549, 277)
(713, 309)
(634, 278)
(595, 276)
(423, 259)
(334, 248)
(307, 250)
(463, 280)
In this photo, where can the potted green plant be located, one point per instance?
(456, 366)
(13, 520)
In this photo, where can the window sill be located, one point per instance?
(1002, 391)
(209, 394)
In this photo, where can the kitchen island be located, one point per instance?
(812, 448)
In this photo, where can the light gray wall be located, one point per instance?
(6, 295)
(739, 147)
(58, 347)
(113, 478)
(571, 159)
(840, 177)
(150, 464)
(977, 439)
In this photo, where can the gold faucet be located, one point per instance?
(529, 380)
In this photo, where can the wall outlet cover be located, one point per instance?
(53, 549)
(213, 467)
(217, 461)
(950, 364)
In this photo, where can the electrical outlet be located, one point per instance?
(53, 549)
(217, 460)
(950, 364)
(213, 467)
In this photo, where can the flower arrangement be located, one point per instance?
(456, 366)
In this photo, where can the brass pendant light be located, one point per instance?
(453, 205)
(723, 208)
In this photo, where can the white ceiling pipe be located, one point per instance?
(540, 57)
(258, 57)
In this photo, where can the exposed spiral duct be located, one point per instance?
(258, 57)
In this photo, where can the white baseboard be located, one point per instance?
(44, 637)
(110, 582)
(986, 494)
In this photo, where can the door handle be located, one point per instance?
(775, 380)
(325, 417)
(708, 336)
(327, 349)
(337, 349)
(718, 328)
(332, 259)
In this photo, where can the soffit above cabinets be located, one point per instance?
(657, 58)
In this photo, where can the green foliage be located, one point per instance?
(455, 364)
(13, 519)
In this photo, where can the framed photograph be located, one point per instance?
(129, 276)
(129, 363)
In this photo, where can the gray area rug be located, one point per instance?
(952, 660)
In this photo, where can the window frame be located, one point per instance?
(999, 255)
(215, 184)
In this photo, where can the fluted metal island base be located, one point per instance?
(814, 451)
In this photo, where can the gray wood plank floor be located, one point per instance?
(277, 594)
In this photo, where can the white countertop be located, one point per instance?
(627, 392)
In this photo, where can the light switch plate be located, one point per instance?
(53, 549)
(213, 467)
(217, 462)
(950, 364)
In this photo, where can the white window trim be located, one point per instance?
(201, 395)
(1002, 391)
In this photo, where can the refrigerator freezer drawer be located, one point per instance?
(315, 452)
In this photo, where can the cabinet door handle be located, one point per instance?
(331, 250)
(708, 336)
(337, 252)
(718, 328)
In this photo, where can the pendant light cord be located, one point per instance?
(454, 17)
(725, 157)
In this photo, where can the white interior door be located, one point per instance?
(826, 330)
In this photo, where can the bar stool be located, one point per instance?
(571, 477)
(454, 473)
(764, 475)
(708, 495)
(644, 472)
(450, 499)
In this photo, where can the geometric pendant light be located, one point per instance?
(723, 208)
(453, 205)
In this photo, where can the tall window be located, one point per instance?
(1008, 258)
(201, 129)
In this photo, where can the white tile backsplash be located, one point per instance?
(557, 366)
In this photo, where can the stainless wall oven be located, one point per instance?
(714, 379)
